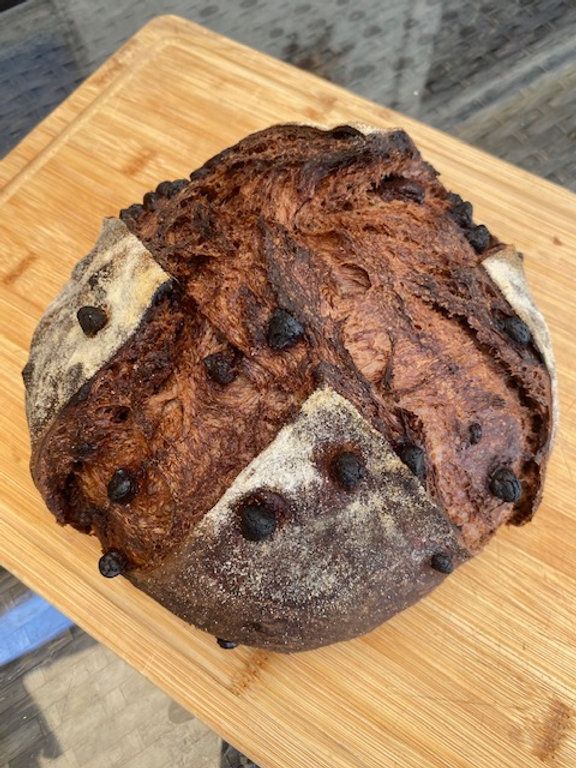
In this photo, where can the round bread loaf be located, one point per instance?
(291, 394)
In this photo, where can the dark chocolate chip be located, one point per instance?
(257, 521)
(400, 141)
(228, 645)
(517, 330)
(505, 485)
(166, 289)
(400, 188)
(475, 430)
(414, 458)
(81, 395)
(478, 237)
(346, 132)
(283, 330)
(91, 319)
(83, 519)
(179, 184)
(348, 469)
(150, 201)
(442, 562)
(199, 173)
(462, 213)
(122, 487)
(164, 189)
(132, 212)
(83, 450)
(454, 199)
(220, 368)
(112, 563)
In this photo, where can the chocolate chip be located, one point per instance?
(228, 645)
(283, 330)
(348, 469)
(83, 450)
(171, 188)
(478, 237)
(91, 319)
(346, 132)
(454, 199)
(220, 368)
(122, 487)
(400, 141)
(257, 521)
(81, 395)
(178, 185)
(82, 519)
(164, 189)
(133, 212)
(150, 201)
(505, 485)
(461, 213)
(414, 458)
(166, 289)
(400, 188)
(475, 430)
(442, 562)
(112, 563)
(517, 330)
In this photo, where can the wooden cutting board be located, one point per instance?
(480, 675)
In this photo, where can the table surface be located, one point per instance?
(536, 730)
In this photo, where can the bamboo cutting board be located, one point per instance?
(480, 675)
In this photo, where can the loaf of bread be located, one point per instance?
(293, 393)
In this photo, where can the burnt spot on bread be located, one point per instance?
(283, 330)
(227, 645)
(475, 432)
(415, 459)
(348, 469)
(221, 367)
(122, 487)
(112, 563)
(442, 562)
(505, 485)
(91, 319)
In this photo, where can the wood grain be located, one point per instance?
(480, 674)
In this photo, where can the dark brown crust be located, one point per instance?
(353, 235)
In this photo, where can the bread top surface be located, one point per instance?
(352, 235)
